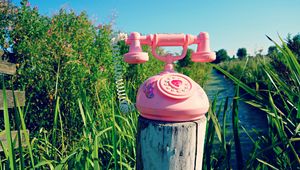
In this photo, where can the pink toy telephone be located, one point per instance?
(170, 96)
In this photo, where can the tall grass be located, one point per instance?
(108, 140)
(9, 152)
(251, 67)
(235, 119)
(280, 148)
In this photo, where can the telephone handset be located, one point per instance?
(136, 55)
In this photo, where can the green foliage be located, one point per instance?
(56, 57)
(221, 56)
(272, 50)
(10, 148)
(253, 72)
(251, 68)
(186, 61)
(294, 44)
(241, 53)
(279, 148)
(235, 127)
(199, 72)
(107, 140)
(217, 151)
(103, 55)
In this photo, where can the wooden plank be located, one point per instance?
(170, 145)
(20, 96)
(7, 68)
(14, 135)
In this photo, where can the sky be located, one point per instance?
(231, 24)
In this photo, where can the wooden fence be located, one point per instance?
(9, 69)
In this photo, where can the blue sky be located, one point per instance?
(232, 24)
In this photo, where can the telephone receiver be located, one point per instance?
(136, 54)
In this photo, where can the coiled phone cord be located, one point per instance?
(125, 105)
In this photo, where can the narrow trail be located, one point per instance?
(250, 117)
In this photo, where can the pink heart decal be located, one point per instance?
(176, 83)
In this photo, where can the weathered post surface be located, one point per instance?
(14, 136)
(170, 145)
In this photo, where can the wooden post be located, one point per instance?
(170, 145)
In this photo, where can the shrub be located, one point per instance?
(63, 55)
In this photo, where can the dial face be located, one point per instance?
(175, 85)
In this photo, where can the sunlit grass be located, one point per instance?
(278, 149)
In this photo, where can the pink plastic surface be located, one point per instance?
(171, 97)
(203, 53)
(136, 57)
(135, 54)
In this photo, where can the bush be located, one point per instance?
(63, 55)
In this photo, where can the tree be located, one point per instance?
(221, 56)
(294, 44)
(241, 53)
(272, 50)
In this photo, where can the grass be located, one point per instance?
(9, 152)
(108, 141)
(278, 149)
(235, 119)
(251, 67)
